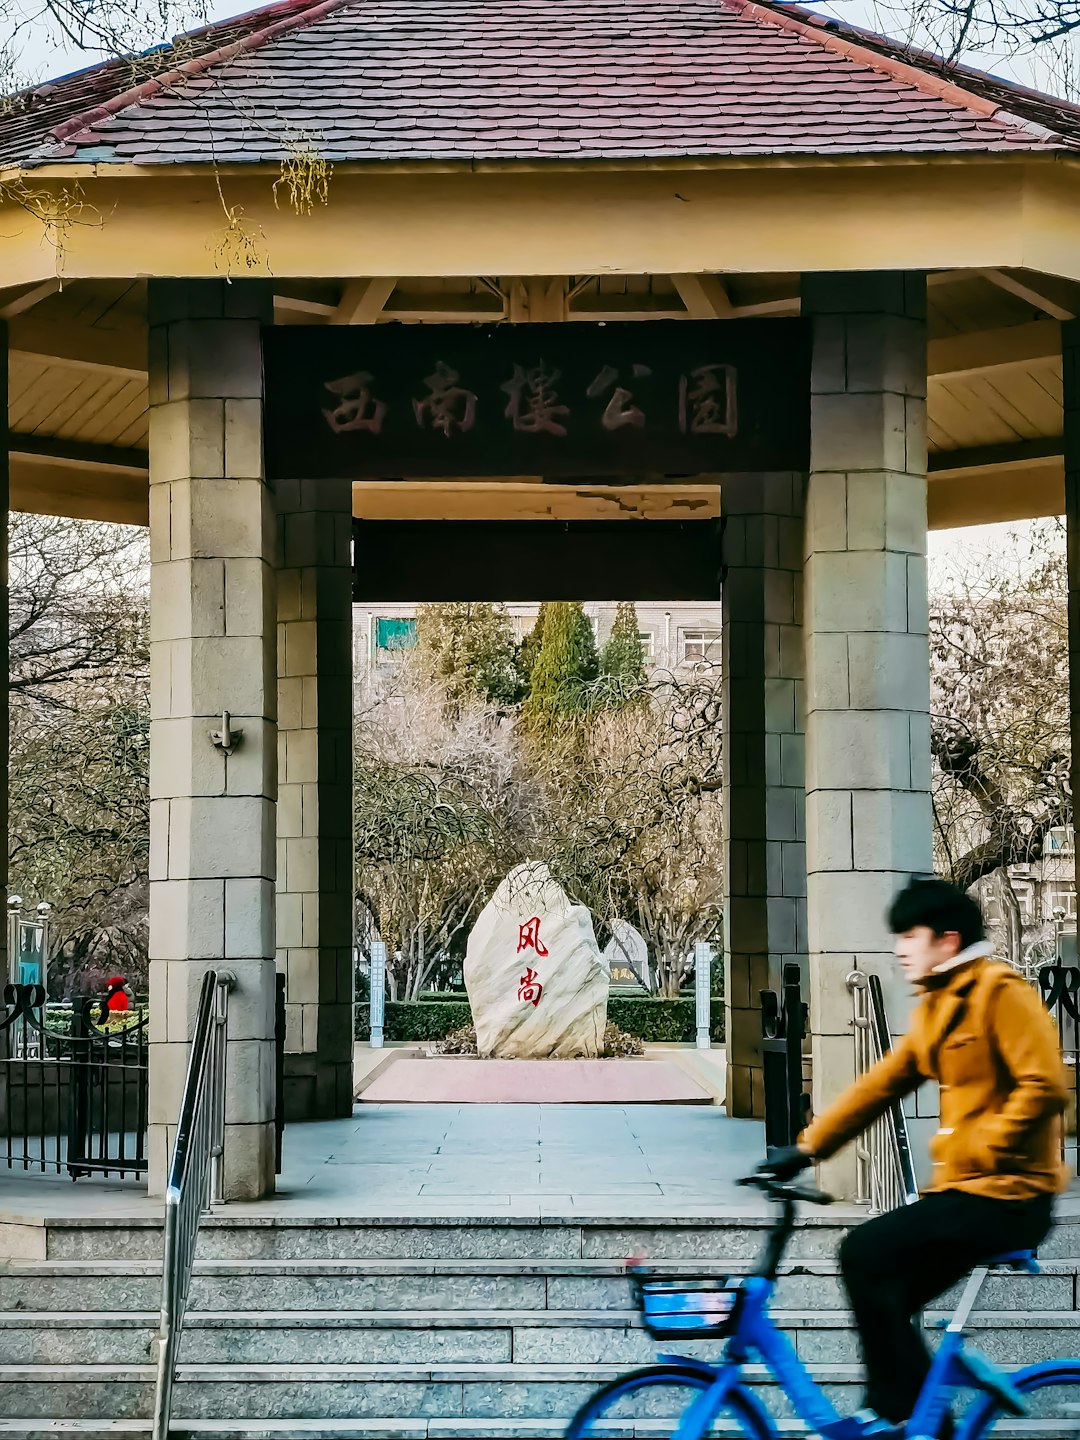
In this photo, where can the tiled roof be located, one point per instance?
(28, 117)
(531, 79)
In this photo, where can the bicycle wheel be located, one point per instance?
(1052, 1390)
(675, 1386)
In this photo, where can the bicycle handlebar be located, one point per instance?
(786, 1190)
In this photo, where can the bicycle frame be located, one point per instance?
(756, 1335)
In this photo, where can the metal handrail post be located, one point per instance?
(885, 1172)
(196, 1177)
(226, 982)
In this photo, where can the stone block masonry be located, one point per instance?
(763, 759)
(868, 822)
(314, 823)
(212, 631)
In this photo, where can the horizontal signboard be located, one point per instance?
(571, 400)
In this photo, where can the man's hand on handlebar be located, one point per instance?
(785, 1162)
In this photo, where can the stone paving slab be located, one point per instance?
(467, 1161)
(537, 1164)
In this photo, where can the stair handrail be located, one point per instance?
(196, 1178)
(885, 1172)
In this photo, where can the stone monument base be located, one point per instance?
(464, 1080)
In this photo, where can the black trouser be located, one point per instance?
(897, 1263)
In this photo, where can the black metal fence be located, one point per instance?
(1059, 986)
(73, 1086)
(783, 1027)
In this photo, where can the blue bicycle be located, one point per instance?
(714, 1399)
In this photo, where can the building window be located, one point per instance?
(392, 635)
(648, 643)
(1060, 897)
(701, 646)
(1059, 840)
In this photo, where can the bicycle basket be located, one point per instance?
(684, 1309)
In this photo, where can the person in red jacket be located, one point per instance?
(116, 998)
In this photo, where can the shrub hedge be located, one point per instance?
(655, 1021)
(662, 1021)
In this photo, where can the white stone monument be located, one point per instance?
(627, 955)
(537, 983)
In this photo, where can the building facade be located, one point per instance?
(676, 638)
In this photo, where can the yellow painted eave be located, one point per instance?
(547, 218)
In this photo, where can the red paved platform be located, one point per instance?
(461, 1080)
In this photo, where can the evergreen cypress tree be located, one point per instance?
(529, 648)
(565, 668)
(623, 656)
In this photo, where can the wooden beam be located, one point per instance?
(45, 487)
(78, 453)
(1046, 449)
(28, 299)
(704, 296)
(983, 351)
(558, 219)
(120, 352)
(547, 298)
(1032, 291)
(981, 497)
(434, 308)
(362, 301)
(520, 500)
(782, 305)
(628, 307)
(300, 305)
(669, 307)
(537, 299)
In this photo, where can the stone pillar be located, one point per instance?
(1070, 374)
(212, 630)
(315, 844)
(868, 823)
(763, 760)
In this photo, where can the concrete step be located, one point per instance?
(466, 1337)
(226, 1235)
(378, 1392)
(460, 1394)
(723, 1237)
(385, 1337)
(435, 1429)
(237, 1286)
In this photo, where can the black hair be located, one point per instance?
(928, 901)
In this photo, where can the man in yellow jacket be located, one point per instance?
(982, 1033)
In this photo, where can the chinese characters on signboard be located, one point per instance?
(706, 401)
(668, 397)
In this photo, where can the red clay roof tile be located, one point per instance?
(499, 79)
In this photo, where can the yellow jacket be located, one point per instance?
(986, 1037)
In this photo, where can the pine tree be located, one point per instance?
(566, 667)
(470, 647)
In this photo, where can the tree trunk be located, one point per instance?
(1010, 909)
